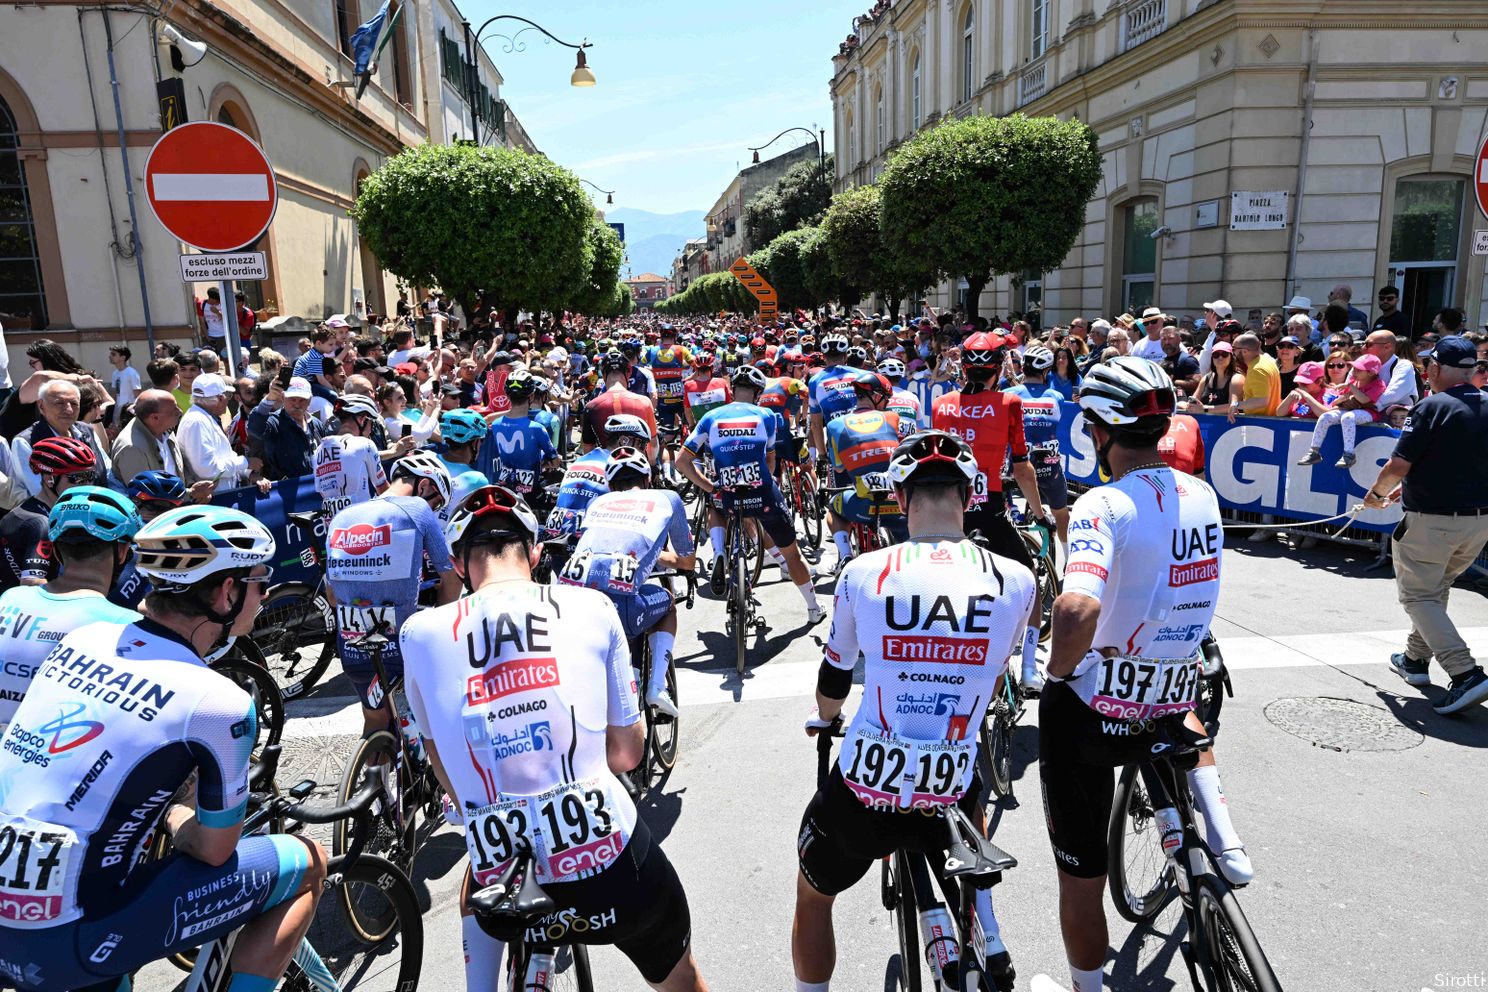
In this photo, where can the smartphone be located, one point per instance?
(285, 374)
(407, 429)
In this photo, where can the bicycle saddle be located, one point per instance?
(305, 519)
(1177, 742)
(969, 854)
(511, 898)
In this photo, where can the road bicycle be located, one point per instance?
(242, 662)
(939, 897)
(865, 537)
(659, 748)
(518, 904)
(745, 558)
(295, 631)
(995, 738)
(802, 494)
(1043, 549)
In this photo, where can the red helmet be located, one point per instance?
(758, 344)
(703, 359)
(876, 386)
(983, 350)
(62, 456)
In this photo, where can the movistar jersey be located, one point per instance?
(32, 622)
(514, 451)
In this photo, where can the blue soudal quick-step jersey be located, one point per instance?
(32, 623)
(116, 720)
(582, 483)
(740, 436)
(514, 451)
(1041, 412)
(830, 392)
(624, 534)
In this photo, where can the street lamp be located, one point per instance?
(820, 137)
(609, 193)
(582, 74)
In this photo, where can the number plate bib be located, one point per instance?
(874, 482)
(978, 490)
(334, 505)
(356, 622)
(740, 476)
(894, 773)
(34, 862)
(1139, 688)
(575, 831)
(493, 835)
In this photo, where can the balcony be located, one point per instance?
(1142, 21)
(1032, 82)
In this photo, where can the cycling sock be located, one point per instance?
(1209, 797)
(242, 982)
(811, 986)
(1086, 980)
(988, 919)
(715, 538)
(1030, 651)
(661, 650)
(844, 549)
(776, 555)
(808, 593)
(482, 957)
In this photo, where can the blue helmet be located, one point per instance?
(157, 487)
(463, 485)
(461, 426)
(92, 510)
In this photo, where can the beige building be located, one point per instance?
(280, 70)
(727, 239)
(1214, 184)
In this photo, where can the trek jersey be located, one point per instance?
(545, 670)
(860, 445)
(703, 396)
(514, 451)
(1041, 413)
(25, 548)
(670, 366)
(784, 394)
(1148, 548)
(32, 622)
(907, 406)
(582, 483)
(830, 392)
(992, 423)
(347, 471)
(624, 534)
(375, 554)
(936, 622)
(116, 720)
(739, 436)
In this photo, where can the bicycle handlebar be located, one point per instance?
(357, 805)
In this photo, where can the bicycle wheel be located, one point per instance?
(394, 817)
(268, 704)
(571, 972)
(296, 633)
(906, 922)
(1048, 582)
(740, 593)
(664, 730)
(390, 960)
(1235, 960)
(1140, 878)
(811, 511)
(996, 747)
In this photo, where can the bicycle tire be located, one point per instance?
(996, 746)
(571, 971)
(385, 841)
(1234, 955)
(294, 622)
(268, 703)
(352, 960)
(906, 923)
(811, 509)
(1136, 853)
(756, 554)
(1048, 582)
(665, 735)
(741, 597)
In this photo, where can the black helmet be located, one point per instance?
(613, 361)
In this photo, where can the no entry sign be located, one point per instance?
(1480, 177)
(211, 186)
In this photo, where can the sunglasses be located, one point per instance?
(1339, 365)
(82, 478)
(259, 580)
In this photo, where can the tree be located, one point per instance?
(470, 219)
(821, 279)
(853, 237)
(976, 196)
(783, 263)
(796, 199)
(598, 294)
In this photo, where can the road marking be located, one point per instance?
(234, 186)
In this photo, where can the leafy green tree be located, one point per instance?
(822, 281)
(470, 219)
(598, 293)
(783, 263)
(976, 196)
(796, 199)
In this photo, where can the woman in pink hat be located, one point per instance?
(1356, 406)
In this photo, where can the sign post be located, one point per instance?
(213, 188)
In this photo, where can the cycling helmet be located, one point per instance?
(833, 344)
(184, 546)
(627, 425)
(93, 511)
(702, 360)
(462, 485)
(62, 456)
(748, 375)
(875, 385)
(489, 501)
(930, 456)
(613, 361)
(757, 344)
(519, 386)
(541, 386)
(1037, 358)
(1128, 391)
(424, 465)
(891, 367)
(630, 346)
(157, 487)
(461, 426)
(983, 350)
(357, 405)
(627, 459)
(858, 354)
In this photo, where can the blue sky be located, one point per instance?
(683, 87)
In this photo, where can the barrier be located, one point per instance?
(287, 496)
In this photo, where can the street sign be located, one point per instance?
(1480, 242)
(211, 186)
(620, 230)
(1250, 211)
(1480, 177)
(171, 93)
(248, 265)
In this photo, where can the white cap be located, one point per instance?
(1220, 307)
(299, 389)
(1299, 303)
(208, 385)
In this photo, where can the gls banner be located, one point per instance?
(288, 496)
(1252, 465)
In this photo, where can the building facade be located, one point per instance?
(728, 240)
(1215, 184)
(691, 262)
(648, 289)
(279, 70)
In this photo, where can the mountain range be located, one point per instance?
(652, 240)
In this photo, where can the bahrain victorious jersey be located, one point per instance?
(32, 622)
(545, 670)
(116, 720)
(936, 622)
(1148, 547)
(670, 366)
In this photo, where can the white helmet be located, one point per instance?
(1126, 390)
(356, 404)
(181, 547)
(424, 465)
(490, 501)
(626, 459)
(627, 424)
(1038, 358)
(891, 367)
(834, 343)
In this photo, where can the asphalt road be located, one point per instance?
(1363, 811)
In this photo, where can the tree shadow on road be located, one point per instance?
(436, 858)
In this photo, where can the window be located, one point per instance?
(1428, 220)
(21, 290)
(402, 67)
(852, 143)
(1139, 254)
(1040, 28)
(914, 94)
(1032, 283)
(878, 110)
(346, 24)
(967, 43)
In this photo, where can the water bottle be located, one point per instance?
(942, 950)
(1170, 829)
(539, 977)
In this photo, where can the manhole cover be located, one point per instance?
(1341, 724)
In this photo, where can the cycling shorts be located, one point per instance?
(1053, 487)
(1079, 751)
(668, 416)
(1001, 535)
(165, 907)
(765, 504)
(791, 451)
(636, 904)
(642, 609)
(840, 838)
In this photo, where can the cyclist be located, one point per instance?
(546, 667)
(25, 551)
(703, 392)
(782, 393)
(1041, 415)
(626, 533)
(638, 378)
(348, 467)
(940, 598)
(669, 363)
(1139, 596)
(902, 402)
(829, 393)
(152, 493)
(585, 479)
(518, 448)
(859, 446)
(464, 432)
(376, 553)
(135, 714)
(542, 391)
(741, 437)
(991, 422)
(615, 398)
(461, 486)
(90, 529)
